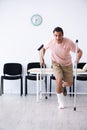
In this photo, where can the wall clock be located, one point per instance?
(36, 19)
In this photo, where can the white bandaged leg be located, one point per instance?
(60, 100)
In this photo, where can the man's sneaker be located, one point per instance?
(64, 91)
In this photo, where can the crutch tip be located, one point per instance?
(46, 97)
(74, 108)
(76, 41)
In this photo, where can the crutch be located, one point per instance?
(44, 78)
(42, 75)
(75, 74)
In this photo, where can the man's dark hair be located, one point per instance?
(58, 29)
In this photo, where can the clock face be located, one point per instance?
(36, 20)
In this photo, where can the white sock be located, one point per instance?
(60, 100)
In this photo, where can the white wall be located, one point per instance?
(19, 39)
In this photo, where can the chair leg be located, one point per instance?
(46, 86)
(21, 91)
(50, 87)
(70, 90)
(2, 89)
(25, 85)
(73, 85)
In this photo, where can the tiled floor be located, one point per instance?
(24, 113)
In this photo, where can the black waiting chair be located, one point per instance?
(33, 76)
(80, 77)
(12, 71)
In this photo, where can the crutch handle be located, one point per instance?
(76, 41)
(40, 47)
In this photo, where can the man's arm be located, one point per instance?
(41, 54)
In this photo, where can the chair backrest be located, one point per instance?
(12, 69)
(80, 65)
(33, 65)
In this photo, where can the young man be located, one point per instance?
(61, 47)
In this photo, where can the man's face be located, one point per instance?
(58, 36)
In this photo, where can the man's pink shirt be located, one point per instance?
(60, 53)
